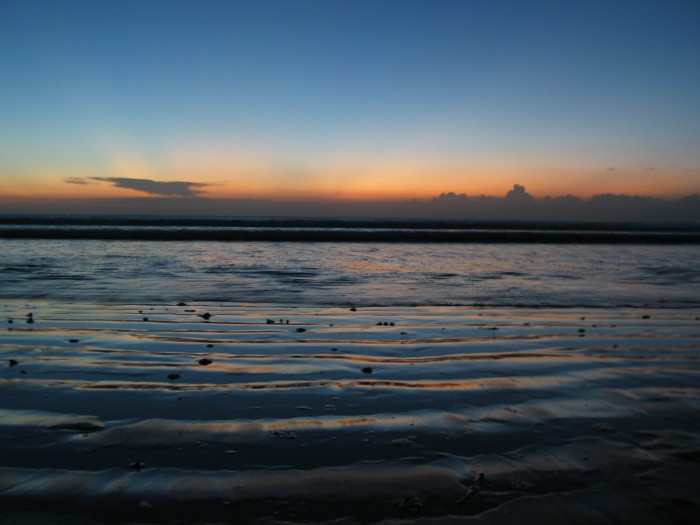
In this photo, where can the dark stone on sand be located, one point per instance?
(205, 361)
(145, 318)
(173, 377)
(190, 311)
(353, 309)
(205, 316)
(385, 323)
(367, 370)
(13, 362)
(334, 349)
(10, 321)
(136, 465)
(210, 346)
(391, 324)
(73, 340)
(270, 321)
(581, 330)
(182, 304)
(286, 434)
(645, 317)
(379, 323)
(300, 330)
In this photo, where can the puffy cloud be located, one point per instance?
(518, 192)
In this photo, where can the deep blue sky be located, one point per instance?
(351, 98)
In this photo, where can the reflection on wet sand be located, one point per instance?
(467, 413)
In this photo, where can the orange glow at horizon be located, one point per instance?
(380, 182)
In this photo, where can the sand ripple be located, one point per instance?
(424, 414)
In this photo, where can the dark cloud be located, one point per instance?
(76, 180)
(518, 193)
(153, 187)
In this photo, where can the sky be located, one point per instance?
(348, 100)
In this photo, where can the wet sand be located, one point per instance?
(118, 413)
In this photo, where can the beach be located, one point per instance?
(349, 263)
(258, 412)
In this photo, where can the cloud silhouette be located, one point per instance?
(518, 193)
(77, 180)
(152, 187)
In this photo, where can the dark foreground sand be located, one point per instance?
(152, 414)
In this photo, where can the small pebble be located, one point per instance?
(206, 316)
(367, 370)
(13, 362)
(205, 361)
(173, 377)
(182, 304)
(210, 346)
(353, 309)
(145, 318)
(300, 330)
(73, 340)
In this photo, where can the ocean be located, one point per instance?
(487, 264)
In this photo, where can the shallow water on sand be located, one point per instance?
(335, 274)
(152, 413)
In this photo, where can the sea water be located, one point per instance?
(352, 273)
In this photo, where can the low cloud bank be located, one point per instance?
(520, 205)
(516, 205)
